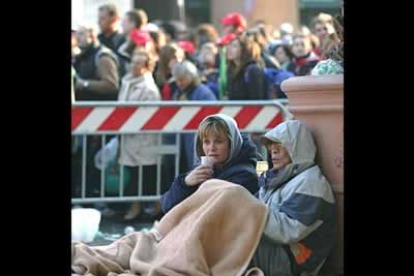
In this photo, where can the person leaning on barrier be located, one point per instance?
(188, 81)
(299, 232)
(189, 89)
(231, 157)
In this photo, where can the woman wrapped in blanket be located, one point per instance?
(231, 157)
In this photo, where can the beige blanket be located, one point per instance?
(213, 232)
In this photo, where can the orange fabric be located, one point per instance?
(304, 253)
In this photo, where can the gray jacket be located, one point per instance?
(299, 198)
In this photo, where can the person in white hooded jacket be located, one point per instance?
(299, 232)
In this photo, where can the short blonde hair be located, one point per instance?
(212, 125)
(149, 59)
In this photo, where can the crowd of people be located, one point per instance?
(132, 59)
(153, 61)
(239, 56)
(298, 234)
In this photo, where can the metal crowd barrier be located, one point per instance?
(158, 117)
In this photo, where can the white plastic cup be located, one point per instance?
(206, 161)
(85, 224)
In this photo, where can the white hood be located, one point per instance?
(298, 141)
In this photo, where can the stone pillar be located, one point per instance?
(274, 12)
(317, 101)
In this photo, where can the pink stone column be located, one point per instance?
(317, 101)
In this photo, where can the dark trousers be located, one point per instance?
(93, 175)
(149, 180)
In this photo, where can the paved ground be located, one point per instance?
(113, 228)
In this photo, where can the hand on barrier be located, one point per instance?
(199, 175)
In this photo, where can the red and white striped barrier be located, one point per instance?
(173, 118)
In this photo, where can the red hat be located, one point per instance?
(140, 37)
(235, 19)
(226, 39)
(187, 46)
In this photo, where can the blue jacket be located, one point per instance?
(212, 82)
(240, 170)
(196, 93)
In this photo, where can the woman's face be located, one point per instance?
(178, 57)
(280, 156)
(138, 66)
(207, 56)
(321, 30)
(234, 50)
(182, 82)
(216, 148)
(301, 46)
(281, 55)
(127, 25)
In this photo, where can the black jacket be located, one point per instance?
(113, 41)
(247, 86)
(241, 170)
(86, 65)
